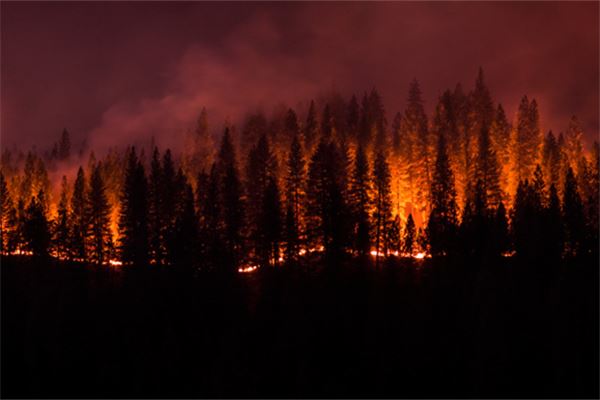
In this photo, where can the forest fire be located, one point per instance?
(351, 184)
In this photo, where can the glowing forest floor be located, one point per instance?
(439, 330)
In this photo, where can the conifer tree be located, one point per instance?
(442, 224)
(417, 136)
(573, 147)
(133, 218)
(382, 201)
(325, 202)
(500, 137)
(360, 202)
(353, 118)
(64, 146)
(184, 240)
(230, 195)
(155, 207)
(98, 220)
(261, 167)
(393, 242)
(327, 123)
(270, 221)
(396, 133)
(408, 240)
(378, 120)
(365, 126)
(36, 227)
(311, 128)
(63, 222)
(487, 169)
(551, 163)
(527, 140)
(79, 218)
(5, 210)
(573, 215)
(296, 190)
(291, 235)
(553, 229)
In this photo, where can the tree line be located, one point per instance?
(342, 183)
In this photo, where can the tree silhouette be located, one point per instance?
(311, 128)
(5, 211)
(97, 216)
(133, 217)
(79, 218)
(230, 194)
(353, 118)
(442, 223)
(36, 227)
(360, 202)
(63, 222)
(270, 220)
(382, 201)
(573, 215)
(155, 207)
(409, 238)
(325, 202)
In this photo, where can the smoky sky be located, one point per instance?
(119, 72)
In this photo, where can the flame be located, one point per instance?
(247, 269)
(419, 256)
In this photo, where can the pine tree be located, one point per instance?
(551, 160)
(296, 190)
(365, 126)
(64, 146)
(291, 128)
(133, 217)
(527, 140)
(79, 218)
(417, 135)
(573, 147)
(573, 215)
(353, 118)
(311, 128)
(327, 123)
(97, 217)
(487, 169)
(500, 136)
(360, 202)
(270, 221)
(326, 208)
(230, 195)
(260, 169)
(184, 240)
(382, 201)
(5, 210)
(63, 222)
(36, 227)
(500, 233)
(553, 229)
(392, 243)
(291, 235)
(396, 133)
(442, 224)
(408, 240)
(155, 207)
(378, 120)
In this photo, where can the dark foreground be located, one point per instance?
(405, 331)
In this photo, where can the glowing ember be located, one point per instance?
(247, 269)
(115, 263)
(419, 256)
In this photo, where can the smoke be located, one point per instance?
(147, 75)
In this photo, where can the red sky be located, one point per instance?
(117, 72)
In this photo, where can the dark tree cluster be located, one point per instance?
(331, 180)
